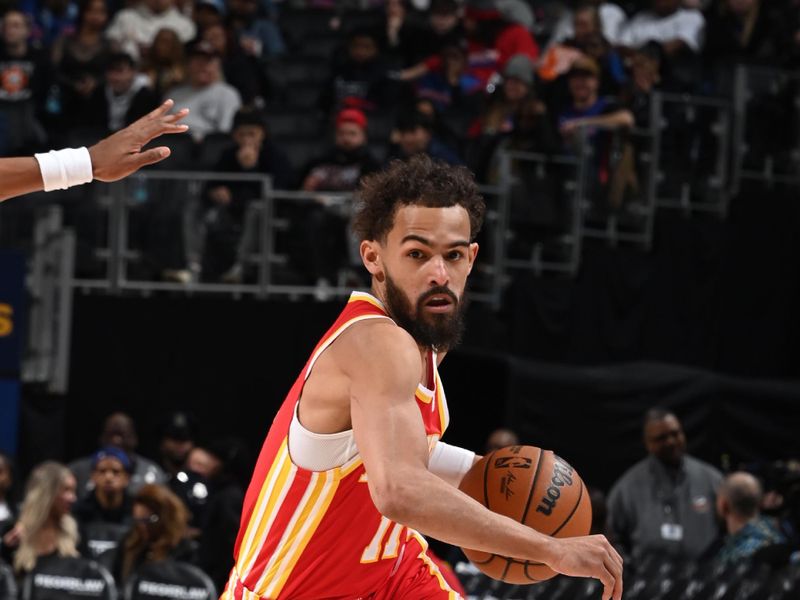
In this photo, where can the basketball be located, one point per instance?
(532, 486)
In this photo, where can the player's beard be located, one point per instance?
(440, 331)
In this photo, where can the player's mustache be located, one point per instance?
(438, 291)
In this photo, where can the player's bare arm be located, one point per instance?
(384, 370)
(112, 158)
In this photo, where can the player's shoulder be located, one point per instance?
(377, 343)
(378, 334)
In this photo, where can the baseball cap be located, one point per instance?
(519, 67)
(112, 452)
(178, 426)
(352, 115)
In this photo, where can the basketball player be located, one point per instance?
(112, 158)
(352, 471)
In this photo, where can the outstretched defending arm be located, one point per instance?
(383, 365)
(112, 158)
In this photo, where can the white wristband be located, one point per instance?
(64, 168)
(450, 463)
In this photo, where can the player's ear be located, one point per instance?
(371, 257)
(472, 254)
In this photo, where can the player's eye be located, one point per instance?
(415, 254)
(455, 255)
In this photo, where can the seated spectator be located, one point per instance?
(322, 238)
(109, 501)
(206, 13)
(134, 28)
(359, 78)
(645, 77)
(164, 62)
(257, 35)
(109, 504)
(739, 499)
(212, 102)
(586, 107)
(443, 28)
(122, 99)
(242, 71)
(119, 431)
(176, 439)
(497, 119)
(225, 203)
(494, 34)
(80, 58)
(228, 470)
(399, 36)
(158, 533)
(413, 134)
(45, 526)
(453, 90)
(665, 503)
(589, 40)
(50, 20)
(679, 32)
(8, 508)
(25, 80)
(610, 16)
(349, 160)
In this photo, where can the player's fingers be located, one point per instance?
(175, 117)
(608, 582)
(154, 155)
(160, 110)
(615, 569)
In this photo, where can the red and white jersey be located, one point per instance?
(309, 535)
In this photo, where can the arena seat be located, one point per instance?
(292, 123)
(8, 583)
(66, 578)
(169, 579)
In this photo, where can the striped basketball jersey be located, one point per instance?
(309, 535)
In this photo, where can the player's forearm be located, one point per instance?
(435, 508)
(19, 176)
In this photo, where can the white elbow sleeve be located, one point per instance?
(450, 463)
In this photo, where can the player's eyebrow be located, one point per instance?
(418, 238)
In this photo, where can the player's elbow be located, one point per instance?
(393, 498)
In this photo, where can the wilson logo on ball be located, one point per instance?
(562, 475)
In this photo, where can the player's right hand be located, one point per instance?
(589, 556)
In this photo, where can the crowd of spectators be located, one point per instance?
(358, 85)
(125, 511)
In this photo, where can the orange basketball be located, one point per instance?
(532, 486)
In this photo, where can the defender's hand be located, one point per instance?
(120, 154)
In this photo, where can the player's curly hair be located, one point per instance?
(418, 180)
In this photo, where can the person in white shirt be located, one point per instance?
(134, 28)
(212, 103)
(674, 28)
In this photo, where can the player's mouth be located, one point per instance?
(439, 303)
